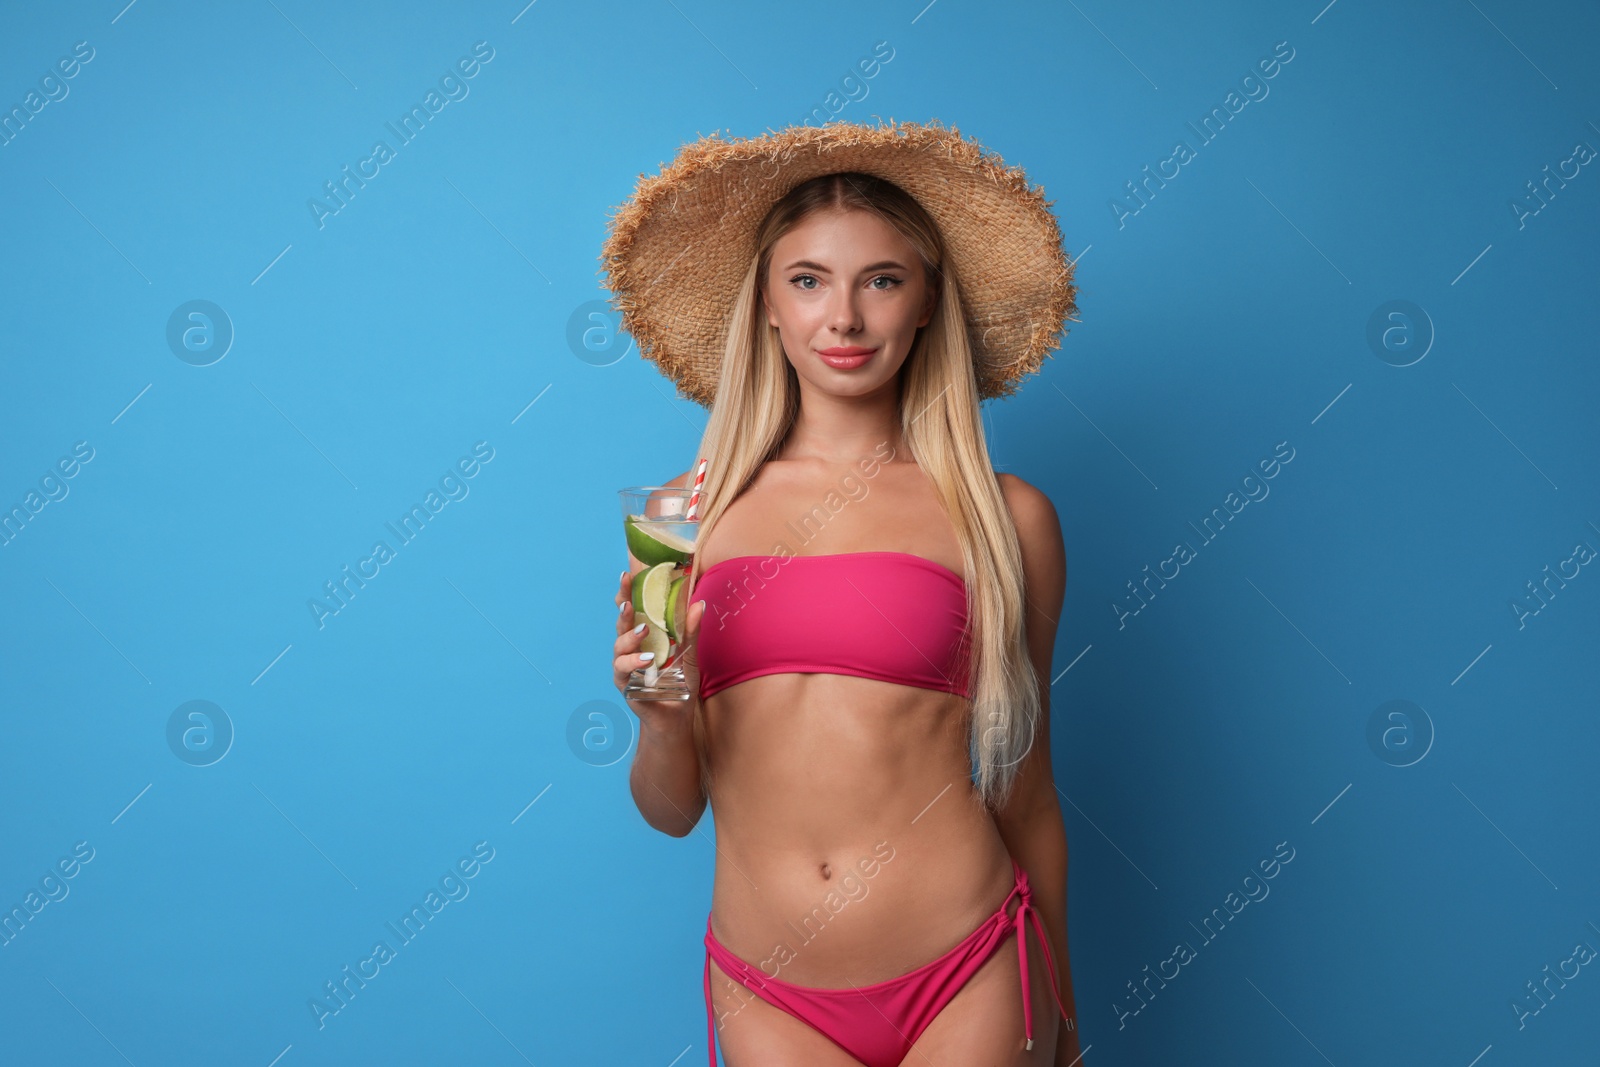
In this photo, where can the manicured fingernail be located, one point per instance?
(623, 577)
(647, 656)
(622, 607)
(640, 628)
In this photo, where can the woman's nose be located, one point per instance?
(845, 314)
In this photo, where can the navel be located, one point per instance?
(826, 873)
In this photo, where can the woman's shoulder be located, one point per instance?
(682, 481)
(1031, 509)
(1021, 494)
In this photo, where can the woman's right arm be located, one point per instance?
(665, 776)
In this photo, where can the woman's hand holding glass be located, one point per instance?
(628, 658)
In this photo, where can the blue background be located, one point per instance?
(451, 701)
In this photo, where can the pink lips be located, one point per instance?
(847, 357)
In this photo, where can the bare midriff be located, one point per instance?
(851, 847)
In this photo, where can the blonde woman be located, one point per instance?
(873, 607)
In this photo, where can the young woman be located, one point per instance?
(873, 608)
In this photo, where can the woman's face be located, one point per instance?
(845, 286)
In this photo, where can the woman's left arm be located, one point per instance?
(1030, 823)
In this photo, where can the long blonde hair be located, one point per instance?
(754, 409)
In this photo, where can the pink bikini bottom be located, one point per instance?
(878, 1024)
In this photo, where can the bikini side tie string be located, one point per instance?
(711, 1030)
(1027, 908)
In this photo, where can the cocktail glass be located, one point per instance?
(661, 560)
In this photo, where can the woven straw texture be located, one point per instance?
(678, 249)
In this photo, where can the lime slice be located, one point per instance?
(657, 641)
(657, 542)
(650, 588)
(677, 606)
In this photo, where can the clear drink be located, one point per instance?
(661, 561)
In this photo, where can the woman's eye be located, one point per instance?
(802, 281)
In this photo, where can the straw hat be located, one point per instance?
(678, 249)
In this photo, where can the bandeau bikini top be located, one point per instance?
(892, 616)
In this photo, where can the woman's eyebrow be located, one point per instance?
(887, 264)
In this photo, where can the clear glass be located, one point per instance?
(661, 561)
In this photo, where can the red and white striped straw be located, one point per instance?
(694, 497)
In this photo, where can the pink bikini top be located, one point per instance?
(892, 616)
